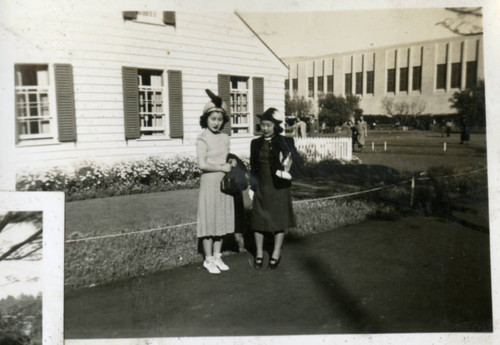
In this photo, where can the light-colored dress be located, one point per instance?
(215, 209)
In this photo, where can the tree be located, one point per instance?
(464, 21)
(335, 110)
(404, 111)
(14, 252)
(296, 106)
(470, 105)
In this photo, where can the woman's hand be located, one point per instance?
(233, 162)
(226, 167)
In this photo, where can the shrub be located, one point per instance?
(90, 180)
(21, 320)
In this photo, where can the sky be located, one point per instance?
(291, 34)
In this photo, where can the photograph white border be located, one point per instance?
(51, 204)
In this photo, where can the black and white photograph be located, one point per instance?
(222, 172)
(31, 268)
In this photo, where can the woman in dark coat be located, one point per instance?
(271, 157)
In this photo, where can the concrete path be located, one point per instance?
(414, 274)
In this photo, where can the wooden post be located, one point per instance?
(385, 145)
(373, 146)
(444, 146)
(412, 195)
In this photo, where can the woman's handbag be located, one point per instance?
(236, 180)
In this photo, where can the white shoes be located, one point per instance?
(220, 264)
(215, 265)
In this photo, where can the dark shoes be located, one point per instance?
(273, 263)
(257, 263)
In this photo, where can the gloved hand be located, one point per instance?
(283, 174)
(250, 194)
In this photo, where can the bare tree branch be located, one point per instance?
(30, 239)
(475, 11)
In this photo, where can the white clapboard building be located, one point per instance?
(127, 85)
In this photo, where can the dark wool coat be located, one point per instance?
(279, 143)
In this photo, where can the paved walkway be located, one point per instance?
(414, 274)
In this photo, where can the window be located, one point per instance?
(32, 101)
(310, 87)
(151, 17)
(287, 85)
(471, 76)
(145, 101)
(320, 85)
(348, 83)
(391, 80)
(329, 84)
(403, 79)
(359, 83)
(295, 85)
(370, 82)
(240, 109)
(456, 75)
(441, 76)
(417, 78)
(151, 107)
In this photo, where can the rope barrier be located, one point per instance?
(295, 202)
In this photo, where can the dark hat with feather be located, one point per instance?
(270, 115)
(216, 104)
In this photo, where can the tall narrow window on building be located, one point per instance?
(321, 89)
(359, 83)
(417, 78)
(348, 83)
(33, 113)
(391, 80)
(370, 82)
(295, 85)
(471, 76)
(456, 75)
(310, 87)
(329, 84)
(287, 85)
(403, 79)
(151, 103)
(240, 109)
(441, 76)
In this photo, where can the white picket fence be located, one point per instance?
(321, 148)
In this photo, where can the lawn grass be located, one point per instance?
(99, 261)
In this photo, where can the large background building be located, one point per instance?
(428, 71)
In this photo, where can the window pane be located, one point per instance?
(417, 78)
(151, 108)
(310, 87)
(403, 79)
(239, 104)
(391, 80)
(359, 83)
(471, 77)
(320, 84)
(295, 85)
(456, 74)
(348, 83)
(441, 76)
(370, 82)
(330, 84)
(287, 84)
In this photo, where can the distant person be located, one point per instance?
(448, 127)
(361, 134)
(442, 127)
(354, 133)
(314, 128)
(323, 127)
(302, 128)
(215, 209)
(271, 157)
(464, 130)
(363, 126)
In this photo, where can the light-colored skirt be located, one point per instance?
(215, 209)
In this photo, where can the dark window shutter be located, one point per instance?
(131, 103)
(169, 18)
(258, 101)
(225, 94)
(65, 100)
(175, 104)
(129, 15)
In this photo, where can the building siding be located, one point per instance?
(98, 46)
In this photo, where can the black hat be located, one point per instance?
(268, 115)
